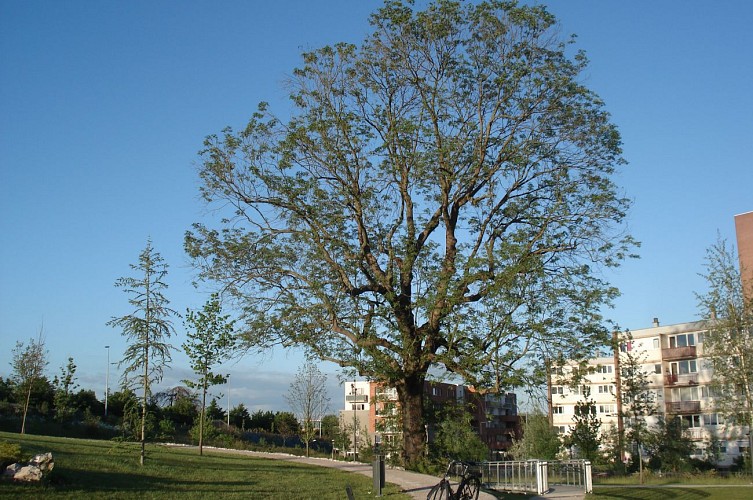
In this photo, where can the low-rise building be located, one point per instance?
(371, 411)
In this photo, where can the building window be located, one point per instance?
(606, 408)
(684, 367)
(561, 429)
(708, 391)
(558, 410)
(684, 340)
(657, 368)
(604, 369)
(656, 343)
(605, 389)
(691, 421)
(558, 389)
(713, 419)
(685, 394)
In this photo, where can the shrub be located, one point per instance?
(10, 453)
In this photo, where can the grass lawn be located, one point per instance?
(675, 492)
(107, 469)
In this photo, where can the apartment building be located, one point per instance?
(371, 409)
(679, 378)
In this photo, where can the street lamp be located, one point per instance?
(107, 378)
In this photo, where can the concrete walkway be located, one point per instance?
(412, 483)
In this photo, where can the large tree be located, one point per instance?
(210, 342)
(147, 328)
(728, 343)
(442, 195)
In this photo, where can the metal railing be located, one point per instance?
(535, 476)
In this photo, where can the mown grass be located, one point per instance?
(108, 469)
(676, 492)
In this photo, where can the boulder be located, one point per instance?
(32, 471)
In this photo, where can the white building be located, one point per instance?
(679, 377)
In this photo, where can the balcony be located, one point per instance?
(680, 380)
(694, 433)
(674, 353)
(683, 407)
(356, 398)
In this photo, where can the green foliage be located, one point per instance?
(401, 218)
(209, 433)
(10, 453)
(29, 362)
(262, 421)
(728, 343)
(182, 412)
(239, 416)
(119, 402)
(214, 411)
(584, 435)
(539, 440)
(455, 437)
(286, 424)
(669, 446)
(64, 387)
(210, 342)
(7, 390)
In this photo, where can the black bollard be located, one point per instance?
(378, 473)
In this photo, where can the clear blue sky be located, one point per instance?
(104, 105)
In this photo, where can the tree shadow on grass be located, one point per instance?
(647, 493)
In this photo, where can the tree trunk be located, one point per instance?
(26, 408)
(143, 405)
(411, 395)
(203, 415)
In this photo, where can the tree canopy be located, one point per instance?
(441, 196)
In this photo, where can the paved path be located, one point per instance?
(412, 483)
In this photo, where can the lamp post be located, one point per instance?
(107, 378)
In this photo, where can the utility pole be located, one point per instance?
(618, 395)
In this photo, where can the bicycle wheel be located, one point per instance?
(440, 491)
(470, 489)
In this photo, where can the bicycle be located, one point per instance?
(470, 484)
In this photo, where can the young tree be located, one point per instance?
(443, 195)
(584, 435)
(637, 400)
(728, 343)
(669, 446)
(147, 329)
(210, 342)
(29, 362)
(64, 387)
(539, 440)
(308, 399)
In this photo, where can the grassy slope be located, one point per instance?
(105, 469)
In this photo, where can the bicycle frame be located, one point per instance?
(468, 488)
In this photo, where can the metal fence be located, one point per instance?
(535, 476)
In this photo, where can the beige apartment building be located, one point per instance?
(679, 378)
